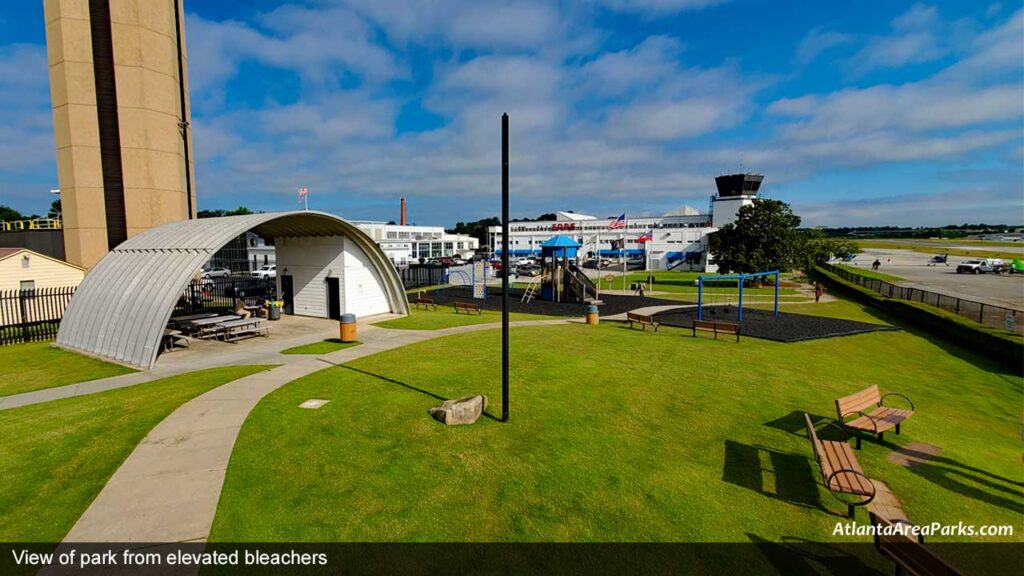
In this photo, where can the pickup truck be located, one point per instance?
(981, 266)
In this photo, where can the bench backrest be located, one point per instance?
(816, 446)
(704, 324)
(424, 301)
(639, 317)
(866, 398)
(906, 551)
(727, 327)
(466, 305)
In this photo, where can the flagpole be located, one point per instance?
(622, 250)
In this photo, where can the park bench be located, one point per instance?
(839, 468)
(425, 302)
(467, 307)
(717, 328)
(207, 327)
(879, 419)
(908, 553)
(643, 320)
(174, 338)
(234, 330)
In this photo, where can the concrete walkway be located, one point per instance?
(168, 488)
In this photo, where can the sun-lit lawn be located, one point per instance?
(55, 457)
(985, 249)
(322, 347)
(683, 283)
(38, 365)
(445, 317)
(618, 435)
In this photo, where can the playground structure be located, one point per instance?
(741, 279)
(561, 280)
(475, 279)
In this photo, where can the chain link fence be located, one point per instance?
(986, 314)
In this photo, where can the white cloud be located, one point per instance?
(918, 35)
(818, 41)
(657, 7)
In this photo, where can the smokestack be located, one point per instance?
(403, 211)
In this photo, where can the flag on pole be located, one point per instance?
(619, 222)
(303, 192)
(646, 236)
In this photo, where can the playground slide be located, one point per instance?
(581, 284)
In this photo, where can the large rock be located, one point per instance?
(461, 411)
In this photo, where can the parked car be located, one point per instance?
(528, 270)
(981, 266)
(250, 287)
(267, 271)
(216, 272)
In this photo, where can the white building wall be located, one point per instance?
(310, 261)
(42, 271)
(362, 286)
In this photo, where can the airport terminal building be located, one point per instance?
(678, 239)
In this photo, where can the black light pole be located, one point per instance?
(504, 267)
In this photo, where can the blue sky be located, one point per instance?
(866, 113)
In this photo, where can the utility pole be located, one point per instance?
(504, 267)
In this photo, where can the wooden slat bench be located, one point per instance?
(908, 553)
(717, 328)
(643, 320)
(874, 418)
(467, 307)
(425, 302)
(840, 470)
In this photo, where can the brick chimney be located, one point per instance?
(403, 212)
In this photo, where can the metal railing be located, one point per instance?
(990, 315)
(37, 224)
(32, 315)
(35, 315)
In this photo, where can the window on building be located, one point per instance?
(28, 284)
(26, 261)
(392, 235)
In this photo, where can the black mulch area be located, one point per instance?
(613, 303)
(763, 324)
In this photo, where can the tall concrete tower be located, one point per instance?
(119, 87)
(734, 192)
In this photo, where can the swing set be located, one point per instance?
(709, 283)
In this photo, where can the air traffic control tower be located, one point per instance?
(119, 89)
(734, 192)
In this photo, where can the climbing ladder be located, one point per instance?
(531, 289)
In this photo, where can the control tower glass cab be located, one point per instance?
(734, 192)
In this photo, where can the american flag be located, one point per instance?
(646, 236)
(619, 222)
(302, 192)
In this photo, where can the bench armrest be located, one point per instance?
(882, 399)
(828, 482)
(874, 423)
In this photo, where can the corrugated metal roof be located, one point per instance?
(120, 309)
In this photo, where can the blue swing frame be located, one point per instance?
(740, 278)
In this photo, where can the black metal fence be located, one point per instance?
(216, 294)
(32, 315)
(988, 314)
(35, 315)
(422, 275)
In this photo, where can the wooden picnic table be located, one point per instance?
(191, 317)
(233, 330)
(206, 326)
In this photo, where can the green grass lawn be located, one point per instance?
(617, 435)
(38, 365)
(56, 456)
(445, 317)
(869, 273)
(683, 283)
(323, 347)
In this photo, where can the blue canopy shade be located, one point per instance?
(560, 241)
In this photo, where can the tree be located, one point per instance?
(55, 210)
(240, 211)
(764, 237)
(7, 213)
(477, 229)
(816, 248)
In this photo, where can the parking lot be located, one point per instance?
(999, 289)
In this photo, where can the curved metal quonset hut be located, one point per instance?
(121, 308)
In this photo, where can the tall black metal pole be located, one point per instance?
(504, 267)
